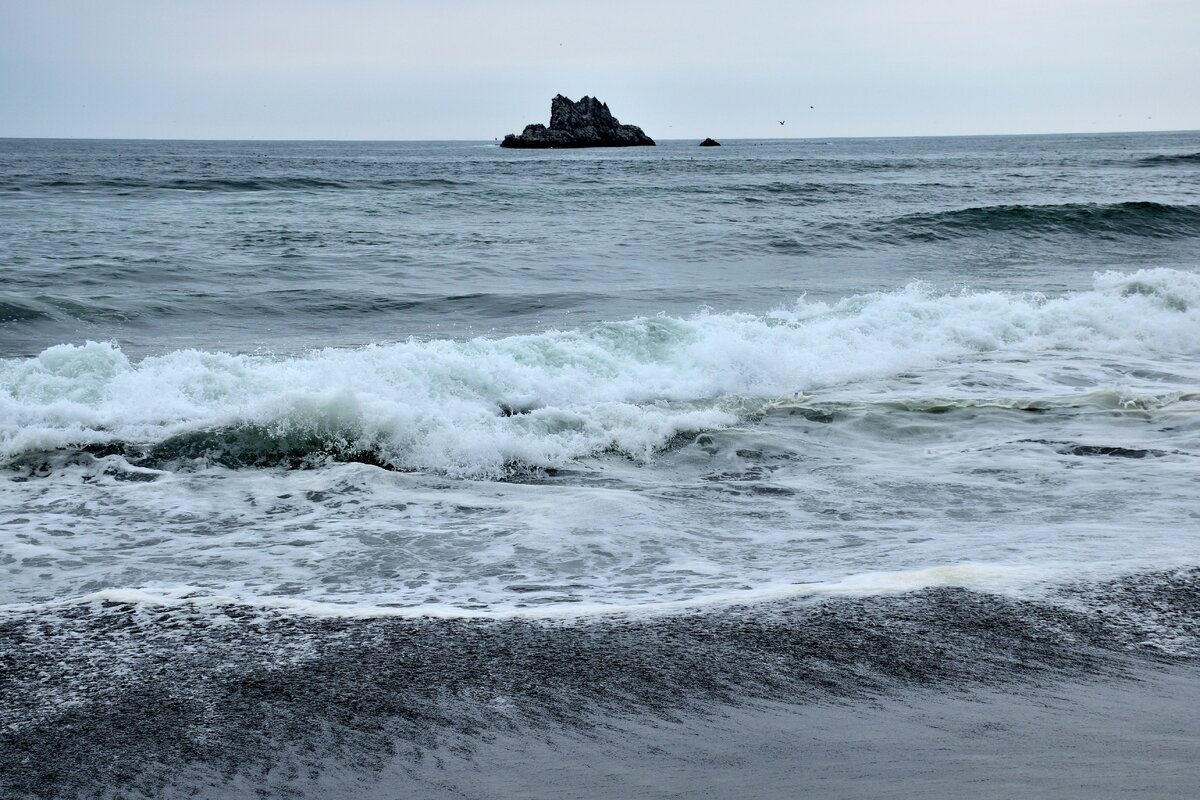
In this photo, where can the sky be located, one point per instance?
(470, 69)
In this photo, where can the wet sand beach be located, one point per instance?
(1089, 693)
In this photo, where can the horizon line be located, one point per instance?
(672, 139)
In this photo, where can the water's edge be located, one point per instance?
(129, 698)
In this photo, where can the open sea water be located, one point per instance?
(276, 408)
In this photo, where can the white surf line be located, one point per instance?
(995, 578)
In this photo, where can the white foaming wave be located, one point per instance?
(996, 578)
(470, 408)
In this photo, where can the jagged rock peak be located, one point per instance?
(587, 123)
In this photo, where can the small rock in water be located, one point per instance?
(710, 143)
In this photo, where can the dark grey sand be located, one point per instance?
(1092, 692)
(1114, 738)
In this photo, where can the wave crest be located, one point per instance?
(1170, 159)
(478, 407)
(1143, 219)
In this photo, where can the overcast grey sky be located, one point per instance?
(477, 69)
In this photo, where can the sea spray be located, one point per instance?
(474, 407)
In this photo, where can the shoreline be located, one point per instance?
(1126, 737)
(143, 702)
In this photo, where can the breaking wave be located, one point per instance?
(483, 407)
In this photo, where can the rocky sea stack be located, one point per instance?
(710, 143)
(587, 123)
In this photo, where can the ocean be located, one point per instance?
(434, 469)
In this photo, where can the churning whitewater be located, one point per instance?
(894, 439)
(482, 407)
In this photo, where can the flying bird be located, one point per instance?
(782, 121)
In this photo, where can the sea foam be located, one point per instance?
(477, 407)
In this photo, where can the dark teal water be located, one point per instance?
(455, 377)
(292, 245)
(402, 469)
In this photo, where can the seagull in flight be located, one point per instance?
(782, 121)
